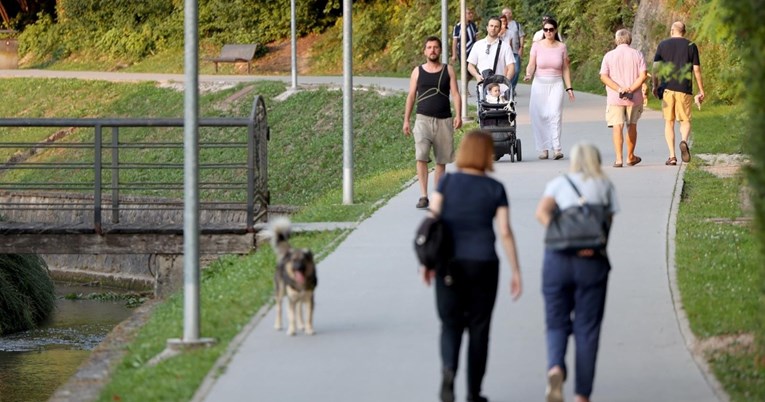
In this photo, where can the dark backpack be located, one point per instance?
(433, 241)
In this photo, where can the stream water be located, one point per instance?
(34, 363)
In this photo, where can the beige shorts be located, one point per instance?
(430, 132)
(620, 115)
(676, 106)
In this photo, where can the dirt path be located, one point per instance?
(278, 60)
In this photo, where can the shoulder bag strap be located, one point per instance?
(581, 198)
(578, 194)
(496, 57)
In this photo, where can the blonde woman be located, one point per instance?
(574, 282)
(471, 203)
(548, 63)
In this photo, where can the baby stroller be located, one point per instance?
(499, 118)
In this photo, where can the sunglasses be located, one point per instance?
(488, 48)
(548, 29)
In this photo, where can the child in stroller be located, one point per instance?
(496, 114)
(493, 94)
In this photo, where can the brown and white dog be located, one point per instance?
(295, 277)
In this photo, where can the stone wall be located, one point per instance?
(130, 271)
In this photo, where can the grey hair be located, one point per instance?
(622, 37)
(585, 159)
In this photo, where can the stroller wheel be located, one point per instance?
(518, 149)
(511, 152)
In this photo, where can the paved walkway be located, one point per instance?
(377, 330)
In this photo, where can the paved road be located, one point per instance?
(376, 324)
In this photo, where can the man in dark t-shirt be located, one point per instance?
(430, 85)
(683, 57)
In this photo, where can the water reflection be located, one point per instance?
(34, 363)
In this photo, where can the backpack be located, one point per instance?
(433, 242)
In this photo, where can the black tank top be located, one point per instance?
(433, 93)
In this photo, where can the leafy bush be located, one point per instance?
(134, 29)
(745, 20)
(589, 32)
(26, 292)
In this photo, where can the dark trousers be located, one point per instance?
(574, 285)
(467, 304)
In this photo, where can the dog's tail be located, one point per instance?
(280, 234)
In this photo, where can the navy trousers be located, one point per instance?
(574, 290)
(467, 304)
(514, 78)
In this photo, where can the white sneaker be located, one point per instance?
(544, 155)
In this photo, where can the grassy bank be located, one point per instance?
(716, 256)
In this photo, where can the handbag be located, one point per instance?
(583, 226)
(433, 242)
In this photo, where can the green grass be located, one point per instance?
(27, 296)
(717, 270)
(232, 290)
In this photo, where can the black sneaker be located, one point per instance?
(447, 386)
(423, 203)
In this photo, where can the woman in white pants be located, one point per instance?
(548, 62)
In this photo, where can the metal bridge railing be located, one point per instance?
(129, 171)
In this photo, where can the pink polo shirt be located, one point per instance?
(623, 64)
(549, 59)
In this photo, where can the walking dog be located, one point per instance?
(295, 277)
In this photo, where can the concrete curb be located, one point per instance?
(682, 319)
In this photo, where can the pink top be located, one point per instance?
(549, 59)
(623, 65)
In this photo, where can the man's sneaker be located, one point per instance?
(423, 203)
(685, 153)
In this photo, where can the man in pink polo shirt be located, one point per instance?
(623, 71)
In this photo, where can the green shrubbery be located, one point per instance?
(130, 30)
(26, 292)
(745, 22)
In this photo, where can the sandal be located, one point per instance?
(617, 165)
(635, 161)
(685, 152)
(671, 161)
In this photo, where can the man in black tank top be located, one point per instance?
(431, 84)
(683, 57)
